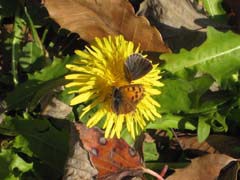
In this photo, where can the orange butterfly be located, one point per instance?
(126, 98)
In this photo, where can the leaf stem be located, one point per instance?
(33, 30)
(17, 36)
(153, 173)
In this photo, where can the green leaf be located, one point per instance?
(218, 56)
(127, 137)
(40, 139)
(20, 97)
(45, 141)
(7, 127)
(213, 7)
(10, 162)
(171, 121)
(174, 97)
(199, 85)
(18, 35)
(233, 119)
(34, 31)
(210, 102)
(150, 152)
(218, 123)
(43, 90)
(53, 71)
(39, 84)
(20, 143)
(30, 54)
(203, 130)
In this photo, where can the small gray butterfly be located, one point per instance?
(136, 66)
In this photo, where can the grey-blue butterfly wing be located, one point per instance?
(136, 66)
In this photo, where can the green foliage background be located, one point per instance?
(201, 91)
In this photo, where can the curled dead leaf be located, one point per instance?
(205, 167)
(172, 13)
(78, 165)
(181, 25)
(55, 108)
(95, 18)
(230, 171)
(113, 158)
(214, 144)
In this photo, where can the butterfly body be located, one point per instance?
(125, 98)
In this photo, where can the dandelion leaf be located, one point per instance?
(218, 56)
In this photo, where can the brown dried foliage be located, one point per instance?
(94, 18)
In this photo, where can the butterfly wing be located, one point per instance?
(126, 98)
(136, 66)
(126, 107)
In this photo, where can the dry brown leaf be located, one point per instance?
(113, 158)
(205, 167)
(214, 144)
(172, 13)
(231, 171)
(55, 108)
(97, 18)
(78, 165)
(180, 23)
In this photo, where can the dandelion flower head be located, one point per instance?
(98, 71)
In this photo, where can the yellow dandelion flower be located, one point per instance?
(113, 76)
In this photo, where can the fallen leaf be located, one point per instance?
(172, 13)
(55, 108)
(230, 171)
(205, 167)
(214, 144)
(113, 158)
(78, 165)
(94, 18)
(181, 25)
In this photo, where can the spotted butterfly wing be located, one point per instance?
(125, 98)
(136, 66)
